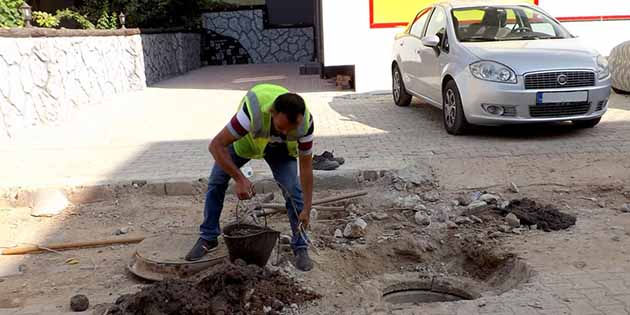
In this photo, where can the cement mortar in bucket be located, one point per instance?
(251, 243)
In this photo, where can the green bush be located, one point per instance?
(150, 13)
(45, 19)
(76, 17)
(106, 21)
(10, 15)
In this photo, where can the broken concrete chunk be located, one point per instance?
(355, 229)
(422, 219)
(513, 220)
(379, 216)
(49, 202)
(79, 303)
(476, 219)
(410, 201)
(625, 208)
(477, 204)
(451, 225)
(419, 207)
(431, 196)
(504, 205)
(338, 233)
(504, 229)
(489, 198)
(121, 231)
(463, 220)
(514, 188)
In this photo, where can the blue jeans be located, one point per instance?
(284, 169)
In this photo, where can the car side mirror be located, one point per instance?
(431, 41)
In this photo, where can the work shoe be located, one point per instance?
(329, 156)
(201, 248)
(302, 261)
(322, 164)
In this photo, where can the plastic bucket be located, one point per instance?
(254, 247)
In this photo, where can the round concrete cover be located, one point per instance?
(162, 256)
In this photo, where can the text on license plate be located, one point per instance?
(561, 97)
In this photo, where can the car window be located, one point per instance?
(418, 24)
(540, 25)
(437, 22)
(493, 23)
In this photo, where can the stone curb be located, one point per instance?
(23, 197)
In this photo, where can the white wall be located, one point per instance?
(349, 40)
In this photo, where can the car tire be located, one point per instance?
(399, 92)
(620, 92)
(588, 123)
(453, 116)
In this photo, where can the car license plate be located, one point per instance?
(561, 97)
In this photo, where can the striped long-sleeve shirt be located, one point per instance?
(240, 125)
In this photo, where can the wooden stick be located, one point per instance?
(20, 250)
(281, 208)
(277, 207)
(340, 197)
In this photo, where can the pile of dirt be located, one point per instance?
(243, 230)
(546, 217)
(227, 289)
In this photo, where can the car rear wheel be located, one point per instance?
(401, 97)
(589, 123)
(455, 121)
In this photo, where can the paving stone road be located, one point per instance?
(161, 133)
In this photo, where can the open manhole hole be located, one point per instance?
(430, 290)
(419, 296)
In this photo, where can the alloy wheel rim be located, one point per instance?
(396, 85)
(450, 113)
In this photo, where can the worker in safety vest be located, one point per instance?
(274, 125)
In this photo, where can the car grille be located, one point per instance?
(549, 80)
(559, 109)
(600, 105)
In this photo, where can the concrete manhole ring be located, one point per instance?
(429, 290)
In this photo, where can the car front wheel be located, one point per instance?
(399, 92)
(455, 121)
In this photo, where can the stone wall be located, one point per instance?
(44, 79)
(167, 55)
(277, 45)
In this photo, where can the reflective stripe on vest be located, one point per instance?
(256, 116)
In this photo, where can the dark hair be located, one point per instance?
(291, 105)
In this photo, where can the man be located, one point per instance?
(274, 125)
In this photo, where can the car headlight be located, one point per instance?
(603, 71)
(492, 71)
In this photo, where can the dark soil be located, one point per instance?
(245, 230)
(546, 217)
(227, 289)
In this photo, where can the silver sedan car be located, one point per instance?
(494, 64)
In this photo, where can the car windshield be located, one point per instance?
(498, 23)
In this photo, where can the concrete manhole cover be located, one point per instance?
(162, 256)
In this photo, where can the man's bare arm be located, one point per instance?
(218, 148)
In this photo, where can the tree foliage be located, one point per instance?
(10, 15)
(45, 19)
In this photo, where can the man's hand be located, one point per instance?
(305, 218)
(244, 189)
